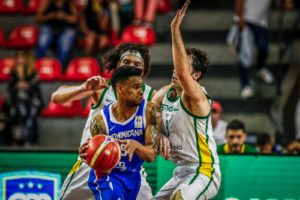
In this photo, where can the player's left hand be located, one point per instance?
(179, 16)
(82, 150)
(131, 146)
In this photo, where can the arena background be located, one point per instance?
(271, 110)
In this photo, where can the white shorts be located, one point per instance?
(202, 187)
(76, 185)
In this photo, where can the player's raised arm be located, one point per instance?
(182, 63)
(91, 87)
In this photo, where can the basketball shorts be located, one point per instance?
(191, 184)
(80, 184)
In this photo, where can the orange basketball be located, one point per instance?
(103, 153)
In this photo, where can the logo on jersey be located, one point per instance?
(29, 185)
(165, 107)
(138, 122)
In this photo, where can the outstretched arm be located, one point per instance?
(91, 87)
(191, 88)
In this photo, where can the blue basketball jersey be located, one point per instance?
(133, 128)
(124, 181)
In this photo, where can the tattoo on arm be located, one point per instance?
(155, 125)
(97, 126)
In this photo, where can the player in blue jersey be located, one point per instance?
(78, 184)
(136, 124)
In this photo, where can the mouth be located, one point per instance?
(174, 79)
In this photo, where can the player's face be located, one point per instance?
(235, 139)
(131, 90)
(175, 81)
(133, 61)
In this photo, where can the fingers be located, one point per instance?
(130, 147)
(82, 150)
(96, 83)
(185, 6)
(130, 152)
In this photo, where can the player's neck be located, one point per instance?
(177, 92)
(123, 111)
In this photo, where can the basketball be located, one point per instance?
(103, 153)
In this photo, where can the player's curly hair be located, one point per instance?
(111, 58)
(200, 60)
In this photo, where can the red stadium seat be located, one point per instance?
(71, 109)
(139, 34)
(49, 69)
(164, 6)
(22, 37)
(106, 74)
(32, 6)
(86, 110)
(81, 68)
(6, 65)
(11, 6)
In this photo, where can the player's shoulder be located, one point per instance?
(158, 97)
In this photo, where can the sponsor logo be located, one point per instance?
(165, 107)
(29, 185)
(176, 147)
(138, 122)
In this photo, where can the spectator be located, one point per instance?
(236, 136)
(218, 125)
(252, 17)
(24, 100)
(144, 16)
(58, 20)
(293, 147)
(95, 26)
(5, 127)
(264, 143)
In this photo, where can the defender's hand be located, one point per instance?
(164, 147)
(180, 15)
(95, 83)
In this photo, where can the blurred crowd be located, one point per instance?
(96, 25)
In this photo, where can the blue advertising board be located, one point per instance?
(25, 185)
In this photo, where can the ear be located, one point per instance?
(118, 88)
(196, 75)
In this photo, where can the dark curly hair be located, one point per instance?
(200, 60)
(111, 58)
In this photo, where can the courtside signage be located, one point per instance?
(29, 185)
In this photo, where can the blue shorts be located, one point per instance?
(116, 186)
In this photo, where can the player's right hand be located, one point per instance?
(95, 83)
(82, 150)
(164, 147)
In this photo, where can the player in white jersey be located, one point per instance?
(186, 113)
(79, 183)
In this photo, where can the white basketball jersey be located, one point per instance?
(108, 96)
(190, 136)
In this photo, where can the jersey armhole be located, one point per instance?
(100, 100)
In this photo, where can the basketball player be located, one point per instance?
(186, 113)
(79, 184)
(134, 122)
